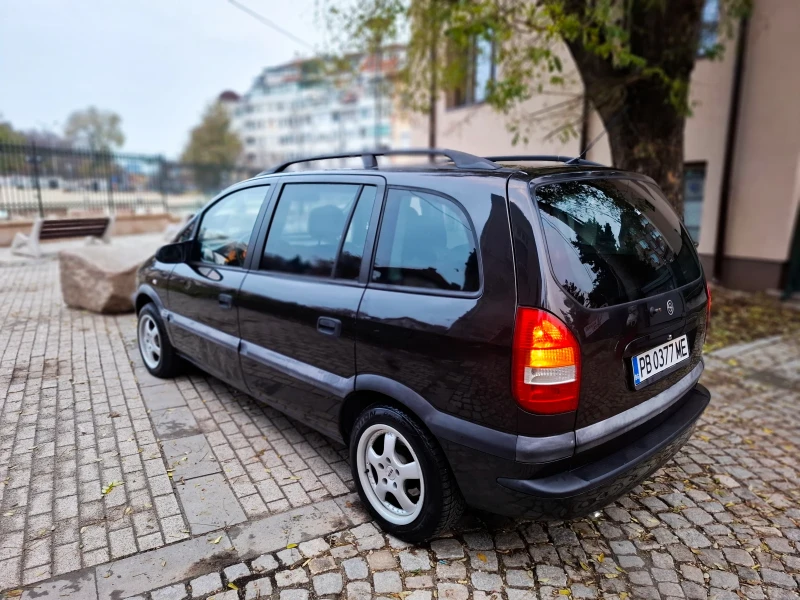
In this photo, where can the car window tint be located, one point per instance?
(426, 241)
(349, 264)
(307, 228)
(612, 241)
(226, 227)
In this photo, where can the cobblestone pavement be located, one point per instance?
(216, 495)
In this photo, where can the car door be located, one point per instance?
(298, 304)
(201, 300)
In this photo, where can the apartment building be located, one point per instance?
(318, 106)
(742, 144)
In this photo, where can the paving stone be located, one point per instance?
(236, 572)
(551, 576)
(189, 457)
(483, 561)
(772, 577)
(265, 563)
(623, 547)
(229, 595)
(387, 582)
(519, 579)
(205, 584)
(174, 422)
(359, 590)
(173, 592)
(291, 577)
(487, 582)
(419, 581)
(420, 595)
(161, 567)
(455, 571)
(294, 595)
(381, 560)
(289, 557)
(259, 588)
(80, 584)
(452, 591)
(314, 547)
(415, 561)
(321, 564)
(446, 549)
(524, 594)
(723, 580)
(355, 568)
(582, 591)
(294, 526)
(329, 583)
(210, 504)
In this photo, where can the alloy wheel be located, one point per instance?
(390, 474)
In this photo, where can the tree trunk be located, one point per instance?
(647, 137)
(644, 116)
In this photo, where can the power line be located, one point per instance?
(271, 24)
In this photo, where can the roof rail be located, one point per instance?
(462, 160)
(569, 160)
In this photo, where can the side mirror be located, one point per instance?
(173, 254)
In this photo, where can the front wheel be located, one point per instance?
(155, 348)
(402, 475)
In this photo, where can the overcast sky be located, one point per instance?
(155, 62)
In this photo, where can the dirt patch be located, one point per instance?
(739, 317)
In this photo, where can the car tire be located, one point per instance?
(402, 475)
(157, 353)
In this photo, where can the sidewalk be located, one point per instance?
(211, 488)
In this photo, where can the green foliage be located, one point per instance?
(94, 129)
(529, 39)
(8, 135)
(212, 144)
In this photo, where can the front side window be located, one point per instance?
(307, 228)
(226, 227)
(612, 241)
(426, 241)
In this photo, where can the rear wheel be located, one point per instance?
(402, 475)
(157, 353)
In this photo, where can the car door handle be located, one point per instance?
(328, 326)
(226, 301)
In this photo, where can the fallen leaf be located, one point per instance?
(110, 486)
(601, 557)
(481, 556)
(584, 566)
(768, 431)
(13, 593)
(107, 574)
(611, 575)
(623, 595)
(216, 540)
(564, 592)
(233, 586)
(114, 414)
(290, 546)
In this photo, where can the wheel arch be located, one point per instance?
(370, 389)
(145, 295)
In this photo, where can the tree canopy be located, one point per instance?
(212, 143)
(95, 129)
(634, 59)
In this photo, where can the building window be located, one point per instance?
(694, 179)
(709, 29)
(480, 70)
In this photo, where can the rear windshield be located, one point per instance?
(614, 240)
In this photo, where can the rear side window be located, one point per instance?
(307, 228)
(612, 241)
(426, 241)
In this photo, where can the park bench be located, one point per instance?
(92, 228)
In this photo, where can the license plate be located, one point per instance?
(659, 359)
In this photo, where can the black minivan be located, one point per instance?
(521, 339)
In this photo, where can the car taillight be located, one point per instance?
(546, 363)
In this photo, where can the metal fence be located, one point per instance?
(50, 181)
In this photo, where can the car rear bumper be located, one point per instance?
(586, 481)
